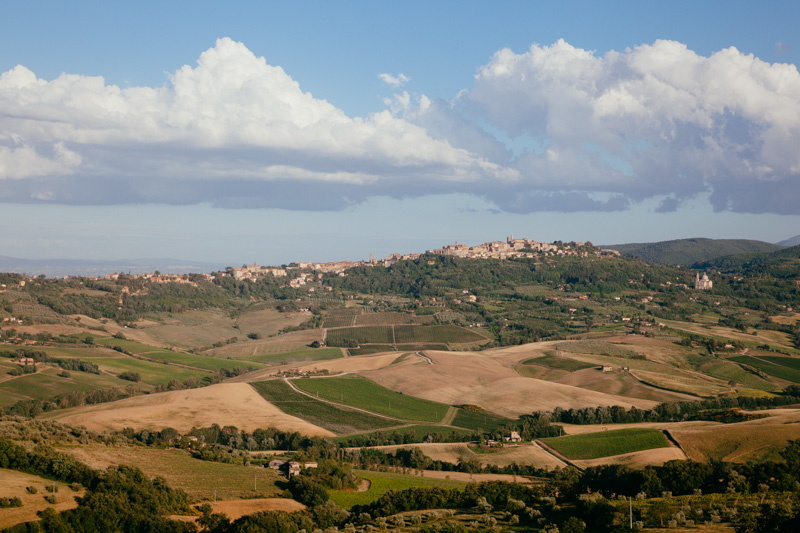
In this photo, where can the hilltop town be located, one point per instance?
(511, 248)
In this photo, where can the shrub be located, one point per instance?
(31, 489)
(10, 502)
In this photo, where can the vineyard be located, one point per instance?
(363, 393)
(780, 367)
(607, 443)
(333, 418)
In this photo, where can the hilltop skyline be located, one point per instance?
(330, 133)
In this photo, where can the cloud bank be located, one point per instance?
(553, 128)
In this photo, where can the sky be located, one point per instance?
(322, 131)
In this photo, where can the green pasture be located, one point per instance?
(558, 363)
(338, 318)
(46, 384)
(131, 346)
(200, 479)
(200, 361)
(363, 393)
(779, 367)
(80, 351)
(595, 347)
(390, 319)
(438, 334)
(317, 354)
(370, 349)
(339, 322)
(789, 362)
(336, 419)
(479, 420)
(405, 335)
(732, 372)
(151, 372)
(362, 335)
(421, 347)
(383, 482)
(607, 443)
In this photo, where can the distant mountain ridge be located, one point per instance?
(84, 267)
(687, 252)
(794, 241)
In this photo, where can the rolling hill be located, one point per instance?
(687, 252)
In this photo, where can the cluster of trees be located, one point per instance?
(389, 438)
(709, 409)
(117, 499)
(78, 365)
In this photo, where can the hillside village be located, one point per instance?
(511, 248)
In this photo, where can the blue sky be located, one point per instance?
(322, 131)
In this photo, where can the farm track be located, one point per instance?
(341, 405)
(428, 359)
(449, 416)
(557, 456)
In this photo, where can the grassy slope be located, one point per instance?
(200, 361)
(319, 354)
(607, 443)
(691, 251)
(773, 366)
(341, 421)
(360, 392)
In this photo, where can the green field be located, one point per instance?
(391, 318)
(200, 479)
(438, 334)
(81, 351)
(318, 354)
(479, 421)
(732, 372)
(363, 393)
(423, 346)
(595, 347)
(383, 482)
(558, 363)
(370, 349)
(404, 334)
(362, 335)
(131, 346)
(151, 372)
(607, 443)
(339, 318)
(773, 366)
(47, 383)
(200, 361)
(339, 420)
(789, 362)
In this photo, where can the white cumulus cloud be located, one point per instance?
(552, 128)
(654, 120)
(230, 119)
(394, 81)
